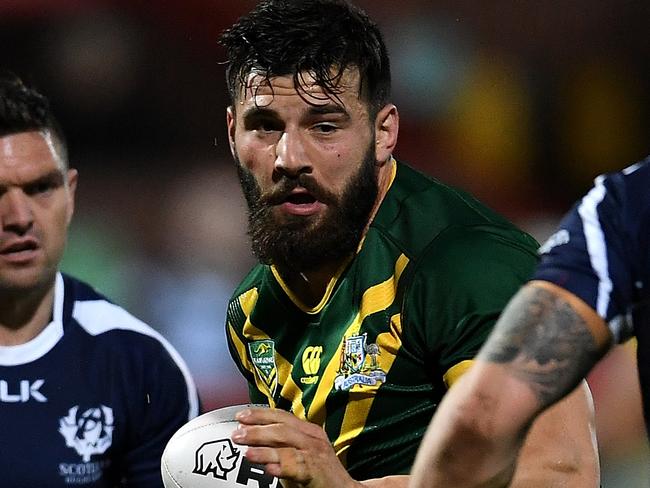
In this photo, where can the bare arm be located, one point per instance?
(561, 449)
(543, 345)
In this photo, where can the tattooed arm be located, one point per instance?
(543, 345)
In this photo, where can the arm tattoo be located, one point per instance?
(545, 343)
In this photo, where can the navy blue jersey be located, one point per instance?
(601, 253)
(92, 400)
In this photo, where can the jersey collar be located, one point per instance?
(43, 342)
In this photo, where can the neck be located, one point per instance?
(24, 315)
(384, 179)
(310, 286)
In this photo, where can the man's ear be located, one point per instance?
(231, 123)
(386, 130)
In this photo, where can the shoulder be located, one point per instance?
(631, 182)
(620, 198)
(419, 210)
(118, 341)
(624, 195)
(111, 326)
(245, 296)
(97, 315)
(434, 224)
(255, 279)
(468, 262)
(472, 246)
(615, 212)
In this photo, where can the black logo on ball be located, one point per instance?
(217, 458)
(220, 457)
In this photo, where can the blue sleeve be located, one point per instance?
(168, 399)
(597, 253)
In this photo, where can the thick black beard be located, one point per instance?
(298, 244)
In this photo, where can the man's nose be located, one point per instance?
(291, 158)
(15, 211)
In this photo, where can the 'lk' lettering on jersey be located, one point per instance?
(23, 392)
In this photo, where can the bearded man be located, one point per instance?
(376, 285)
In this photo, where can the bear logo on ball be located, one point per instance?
(217, 457)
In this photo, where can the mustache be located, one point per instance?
(283, 188)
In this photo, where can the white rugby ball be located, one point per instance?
(201, 455)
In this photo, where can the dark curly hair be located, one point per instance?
(320, 37)
(24, 109)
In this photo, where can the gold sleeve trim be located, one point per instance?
(456, 371)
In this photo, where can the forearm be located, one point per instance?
(561, 448)
(467, 445)
(544, 343)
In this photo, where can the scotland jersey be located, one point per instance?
(92, 400)
(601, 253)
(400, 321)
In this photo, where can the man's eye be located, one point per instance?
(325, 128)
(39, 188)
(267, 126)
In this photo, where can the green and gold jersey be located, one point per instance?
(405, 316)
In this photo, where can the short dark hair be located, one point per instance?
(24, 109)
(282, 37)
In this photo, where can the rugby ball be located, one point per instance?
(202, 455)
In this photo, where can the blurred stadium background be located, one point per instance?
(520, 102)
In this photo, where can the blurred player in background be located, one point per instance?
(589, 292)
(377, 285)
(89, 395)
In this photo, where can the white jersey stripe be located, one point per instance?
(596, 246)
(99, 316)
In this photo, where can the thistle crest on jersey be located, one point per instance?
(262, 355)
(89, 432)
(358, 365)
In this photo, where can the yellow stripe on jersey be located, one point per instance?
(241, 350)
(356, 413)
(246, 302)
(400, 266)
(456, 371)
(375, 299)
(290, 390)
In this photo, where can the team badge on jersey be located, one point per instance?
(262, 355)
(89, 432)
(358, 365)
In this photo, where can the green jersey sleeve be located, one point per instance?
(459, 287)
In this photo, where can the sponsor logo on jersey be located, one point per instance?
(311, 364)
(26, 391)
(557, 239)
(220, 457)
(263, 358)
(358, 364)
(88, 432)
